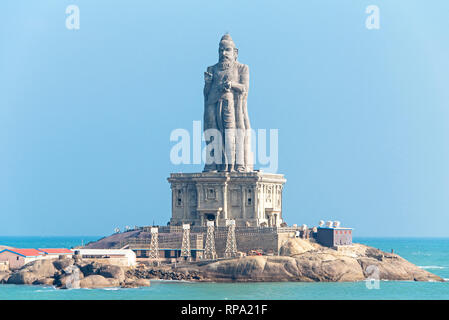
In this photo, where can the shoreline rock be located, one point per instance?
(302, 261)
(67, 273)
(309, 262)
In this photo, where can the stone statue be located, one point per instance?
(226, 121)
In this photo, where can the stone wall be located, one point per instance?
(249, 198)
(247, 241)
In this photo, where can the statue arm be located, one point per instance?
(243, 84)
(207, 81)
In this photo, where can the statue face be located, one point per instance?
(226, 52)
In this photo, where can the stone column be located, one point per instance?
(257, 202)
(185, 201)
(244, 193)
(225, 200)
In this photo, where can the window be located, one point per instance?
(210, 193)
(249, 199)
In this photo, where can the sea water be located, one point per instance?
(431, 254)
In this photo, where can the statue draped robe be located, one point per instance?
(226, 111)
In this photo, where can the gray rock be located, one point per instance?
(143, 283)
(33, 271)
(89, 269)
(4, 276)
(61, 264)
(133, 283)
(40, 268)
(22, 277)
(70, 278)
(115, 272)
(44, 281)
(97, 281)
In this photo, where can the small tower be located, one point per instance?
(185, 248)
(231, 244)
(154, 245)
(209, 250)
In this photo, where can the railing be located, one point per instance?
(201, 229)
(165, 241)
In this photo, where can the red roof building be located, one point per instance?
(25, 252)
(17, 258)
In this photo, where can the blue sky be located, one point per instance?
(86, 115)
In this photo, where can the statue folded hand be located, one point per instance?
(227, 86)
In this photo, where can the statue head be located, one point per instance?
(227, 52)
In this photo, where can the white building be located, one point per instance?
(121, 257)
(56, 252)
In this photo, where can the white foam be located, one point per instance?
(432, 267)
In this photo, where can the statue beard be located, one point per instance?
(226, 63)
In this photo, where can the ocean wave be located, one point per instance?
(171, 280)
(46, 289)
(432, 267)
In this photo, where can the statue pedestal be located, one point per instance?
(252, 199)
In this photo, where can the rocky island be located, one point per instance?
(300, 260)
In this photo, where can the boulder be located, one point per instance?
(295, 246)
(143, 283)
(22, 277)
(44, 281)
(327, 267)
(61, 264)
(394, 268)
(40, 268)
(97, 281)
(70, 278)
(69, 282)
(243, 268)
(109, 271)
(4, 276)
(131, 283)
(89, 269)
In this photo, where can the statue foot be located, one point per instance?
(240, 169)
